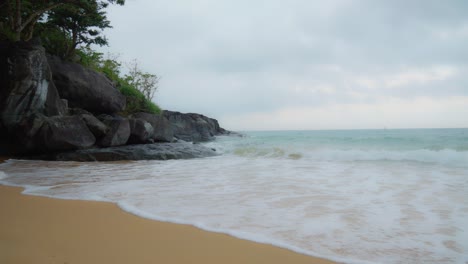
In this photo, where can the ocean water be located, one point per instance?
(357, 196)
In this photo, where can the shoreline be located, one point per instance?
(38, 229)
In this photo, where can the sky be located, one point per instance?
(302, 64)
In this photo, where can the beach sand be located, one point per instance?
(44, 230)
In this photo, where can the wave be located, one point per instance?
(438, 156)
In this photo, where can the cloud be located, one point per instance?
(233, 59)
(424, 112)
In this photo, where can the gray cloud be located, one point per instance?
(227, 58)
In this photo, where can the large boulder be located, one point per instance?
(26, 135)
(85, 88)
(61, 133)
(193, 127)
(98, 128)
(38, 133)
(162, 127)
(140, 131)
(118, 133)
(157, 151)
(26, 85)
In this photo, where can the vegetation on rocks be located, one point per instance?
(68, 29)
(18, 18)
(137, 86)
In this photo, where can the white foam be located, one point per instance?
(3, 175)
(353, 212)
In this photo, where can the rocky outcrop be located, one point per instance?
(26, 85)
(157, 151)
(98, 128)
(35, 119)
(193, 127)
(118, 133)
(85, 88)
(161, 126)
(140, 131)
(60, 133)
(38, 133)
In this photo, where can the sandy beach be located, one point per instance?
(43, 230)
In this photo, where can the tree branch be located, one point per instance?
(10, 15)
(17, 22)
(38, 13)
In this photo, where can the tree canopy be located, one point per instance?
(68, 28)
(18, 18)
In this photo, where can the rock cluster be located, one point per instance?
(61, 110)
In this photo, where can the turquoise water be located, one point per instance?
(445, 146)
(356, 196)
(396, 139)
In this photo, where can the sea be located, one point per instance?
(353, 196)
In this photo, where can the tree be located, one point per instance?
(78, 25)
(19, 17)
(144, 82)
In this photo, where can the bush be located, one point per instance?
(90, 58)
(53, 40)
(136, 101)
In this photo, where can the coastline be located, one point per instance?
(37, 229)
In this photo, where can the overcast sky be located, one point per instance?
(303, 64)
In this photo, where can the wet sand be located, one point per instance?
(44, 230)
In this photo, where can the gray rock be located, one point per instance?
(98, 128)
(26, 85)
(78, 111)
(27, 135)
(193, 127)
(157, 151)
(118, 133)
(85, 88)
(162, 127)
(65, 133)
(140, 131)
(38, 133)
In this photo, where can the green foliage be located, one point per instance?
(144, 82)
(53, 40)
(81, 25)
(110, 66)
(90, 58)
(137, 102)
(68, 28)
(6, 33)
(21, 16)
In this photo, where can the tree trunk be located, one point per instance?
(29, 30)
(16, 21)
(74, 43)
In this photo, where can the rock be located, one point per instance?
(162, 127)
(65, 133)
(26, 135)
(38, 133)
(118, 133)
(140, 131)
(193, 127)
(26, 85)
(96, 127)
(85, 88)
(78, 111)
(157, 151)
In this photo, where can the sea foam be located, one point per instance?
(349, 208)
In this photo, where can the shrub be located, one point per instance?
(136, 101)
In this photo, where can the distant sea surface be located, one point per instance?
(356, 196)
